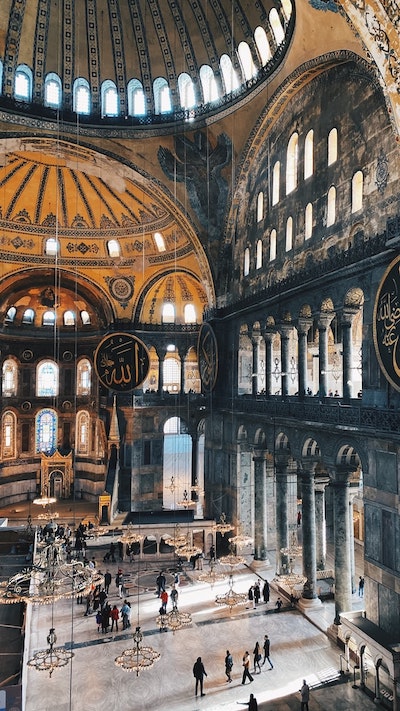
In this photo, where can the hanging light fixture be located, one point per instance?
(188, 551)
(174, 620)
(196, 488)
(178, 539)
(211, 576)
(172, 486)
(129, 535)
(139, 657)
(231, 598)
(186, 502)
(222, 526)
(52, 658)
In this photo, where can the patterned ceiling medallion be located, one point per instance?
(121, 288)
(67, 355)
(27, 355)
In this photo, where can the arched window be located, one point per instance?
(308, 221)
(49, 318)
(190, 313)
(52, 91)
(9, 386)
(208, 84)
(69, 318)
(109, 99)
(52, 246)
(168, 313)
(230, 77)
(162, 96)
(246, 265)
(23, 83)
(28, 316)
(82, 431)
(262, 44)
(309, 155)
(276, 175)
(83, 377)
(136, 98)
(159, 240)
(287, 8)
(276, 25)
(332, 146)
(172, 374)
(289, 234)
(186, 91)
(272, 246)
(8, 428)
(11, 314)
(259, 254)
(357, 191)
(81, 96)
(260, 206)
(46, 431)
(85, 317)
(291, 163)
(47, 379)
(246, 60)
(177, 462)
(331, 212)
(113, 248)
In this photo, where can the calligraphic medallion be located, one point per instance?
(207, 354)
(121, 362)
(386, 324)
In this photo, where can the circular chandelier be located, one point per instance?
(139, 658)
(186, 502)
(222, 526)
(129, 535)
(291, 580)
(188, 551)
(174, 620)
(211, 576)
(51, 658)
(196, 488)
(48, 515)
(178, 539)
(231, 598)
(44, 500)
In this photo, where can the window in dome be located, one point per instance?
(136, 98)
(47, 379)
(69, 318)
(82, 428)
(332, 146)
(287, 8)
(162, 96)
(46, 431)
(289, 234)
(331, 213)
(85, 317)
(309, 155)
(229, 75)
(168, 313)
(171, 348)
(308, 221)
(11, 314)
(51, 247)
(23, 83)
(246, 60)
(83, 377)
(272, 246)
(208, 83)
(113, 248)
(9, 378)
(291, 163)
(109, 99)
(261, 40)
(52, 91)
(159, 240)
(246, 265)
(9, 422)
(190, 313)
(276, 25)
(81, 96)
(275, 182)
(186, 91)
(357, 191)
(260, 206)
(259, 254)
(28, 316)
(49, 318)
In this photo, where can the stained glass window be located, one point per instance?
(47, 379)
(46, 431)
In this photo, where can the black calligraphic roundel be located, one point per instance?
(207, 354)
(386, 324)
(121, 362)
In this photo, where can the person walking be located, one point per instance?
(164, 599)
(114, 618)
(246, 668)
(228, 665)
(256, 592)
(107, 581)
(257, 658)
(199, 673)
(266, 647)
(361, 586)
(160, 582)
(305, 696)
(252, 703)
(250, 596)
(174, 597)
(266, 591)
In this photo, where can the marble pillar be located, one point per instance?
(324, 322)
(285, 361)
(260, 508)
(340, 483)
(303, 328)
(282, 534)
(347, 359)
(255, 342)
(268, 338)
(309, 595)
(320, 524)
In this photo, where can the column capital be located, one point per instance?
(348, 314)
(285, 329)
(303, 325)
(325, 318)
(342, 474)
(308, 465)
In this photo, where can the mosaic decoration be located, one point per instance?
(121, 288)
(386, 324)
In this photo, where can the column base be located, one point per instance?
(305, 604)
(260, 563)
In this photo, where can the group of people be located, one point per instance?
(254, 593)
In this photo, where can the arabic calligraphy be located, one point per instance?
(121, 362)
(387, 324)
(207, 352)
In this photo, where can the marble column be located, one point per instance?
(255, 342)
(260, 507)
(303, 328)
(285, 360)
(161, 356)
(324, 322)
(182, 362)
(282, 533)
(309, 597)
(320, 524)
(340, 483)
(347, 358)
(353, 491)
(268, 338)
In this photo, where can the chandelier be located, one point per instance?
(188, 551)
(291, 580)
(174, 620)
(129, 535)
(222, 526)
(232, 559)
(241, 539)
(48, 515)
(51, 658)
(293, 550)
(196, 488)
(231, 598)
(178, 539)
(139, 658)
(186, 502)
(44, 500)
(172, 486)
(211, 576)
